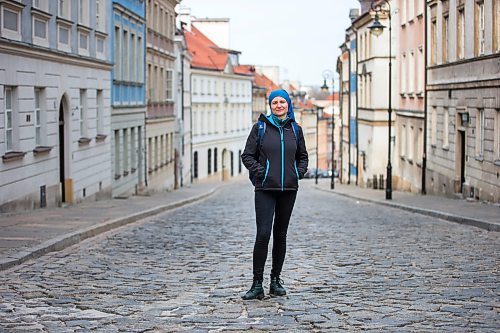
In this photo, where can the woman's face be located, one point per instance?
(279, 107)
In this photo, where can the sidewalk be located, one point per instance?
(482, 215)
(29, 235)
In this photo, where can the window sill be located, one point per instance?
(410, 161)
(125, 173)
(84, 141)
(41, 149)
(133, 170)
(479, 158)
(13, 156)
(100, 137)
(433, 145)
(420, 94)
(447, 148)
(117, 177)
(402, 158)
(418, 164)
(497, 162)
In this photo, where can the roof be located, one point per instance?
(206, 54)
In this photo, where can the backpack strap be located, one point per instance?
(295, 128)
(261, 129)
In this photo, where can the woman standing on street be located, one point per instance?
(276, 156)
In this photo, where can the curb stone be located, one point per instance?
(428, 212)
(61, 242)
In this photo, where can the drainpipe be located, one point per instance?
(357, 110)
(349, 121)
(424, 153)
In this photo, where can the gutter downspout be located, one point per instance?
(424, 153)
(349, 121)
(191, 124)
(357, 110)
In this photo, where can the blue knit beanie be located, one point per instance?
(284, 94)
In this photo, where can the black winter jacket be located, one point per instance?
(280, 163)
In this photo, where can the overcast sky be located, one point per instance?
(301, 37)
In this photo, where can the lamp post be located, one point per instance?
(328, 74)
(377, 28)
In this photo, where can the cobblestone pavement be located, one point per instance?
(350, 266)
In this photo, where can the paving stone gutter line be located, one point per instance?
(429, 212)
(61, 242)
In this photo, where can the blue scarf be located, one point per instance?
(284, 94)
(277, 121)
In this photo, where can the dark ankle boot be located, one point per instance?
(255, 292)
(275, 287)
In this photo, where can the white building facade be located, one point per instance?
(54, 103)
(222, 119)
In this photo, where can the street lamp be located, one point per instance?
(328, 74)
(377, 28)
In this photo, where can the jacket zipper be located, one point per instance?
(282, 159)
(267, 170)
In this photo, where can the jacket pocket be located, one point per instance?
(267, 171)
(296, 170)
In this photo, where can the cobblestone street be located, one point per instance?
(350, 266)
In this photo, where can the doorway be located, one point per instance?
(61, 152)
(461, 152)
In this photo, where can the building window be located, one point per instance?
(140, 58)
(40, 121)
(209, 161)
(239, 161)
(100, 13)
(461, 33)
(117, 154)
(100, 45)
(150, 155)
(420, 151)
(63, 36)
(445, 38)
(83, 41)
(39, 28)
(83, 113)
(41, 4)
(9, 118)
(134, 59)
(433, 42)
(64, 9)
(496, 26)
(403, 73)
(83, 12)
(402, 142)
(410, 143)
(125, 152)
(169, 84)
(195, 164)
(117, 53)
(100, 112)
(496, 140)
(133, 151)
(11, 21)
(411, 10)
(411, 73)
(126, 56)
(215, 159)
(480, 133)
(446, 120)
(421, 71)
(479, 30)
(433, 126)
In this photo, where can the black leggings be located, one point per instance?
(269, 203)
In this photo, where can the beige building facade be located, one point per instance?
(409, 121)
(463, 87)
(163, 155)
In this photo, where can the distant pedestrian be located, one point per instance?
(276, 157)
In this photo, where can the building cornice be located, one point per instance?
(32, 51)
(465, 61)
(125, 11)
(475, 84)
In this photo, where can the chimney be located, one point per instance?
(353, 14)
(185, 17)
(365, 5)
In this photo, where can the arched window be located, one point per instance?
(209, 161)
(215, 160)
(239, 161)
(195, 164)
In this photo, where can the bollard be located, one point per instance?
(375, 185)
(381, 182)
